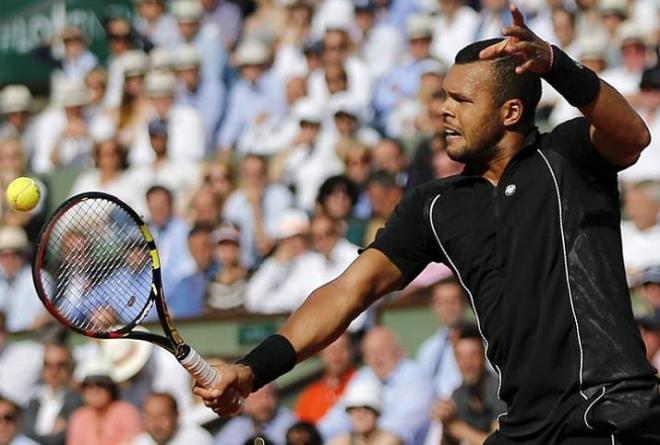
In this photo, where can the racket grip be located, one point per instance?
(202, 372)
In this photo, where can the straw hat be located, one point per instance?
(126, 357)
(15, 98)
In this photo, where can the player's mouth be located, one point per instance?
(451, 133)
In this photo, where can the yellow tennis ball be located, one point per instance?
(23, 194)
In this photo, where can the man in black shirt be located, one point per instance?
(531, 231)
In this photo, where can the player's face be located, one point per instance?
(472, 121)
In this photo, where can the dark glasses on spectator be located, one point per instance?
(9, 417)
(119, 36)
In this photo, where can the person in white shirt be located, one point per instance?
(436, 354)
(626, 77)
(185, 128)
(640, 236)
(62, 131)
(284, 280)
(78, 60)
(16, 109)
(153, 22)
(455, 27)
(161, 422)
(46, 415)
(20, 365)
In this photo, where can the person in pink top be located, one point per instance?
(103, 419)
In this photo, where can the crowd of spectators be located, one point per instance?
(265, 143)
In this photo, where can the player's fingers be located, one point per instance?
(524, 67)
(518, 18)
(519, 32)
(521, 49)
(493, 50)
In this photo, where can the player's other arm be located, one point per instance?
(617, 131)
(321, 319)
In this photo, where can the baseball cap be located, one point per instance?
(292, 222)
(419, 26)
(251, 52)
(363, 395)
(160, 84)
(161, 58)
(591, 48)
(630, 32)
(187, 11)
(158, 127)
(651, 275)
(135, 63)
(347, 103)
(226, 234)
(306, 109)
(13, 239)
(617, 7)
(15, 98)
(187, 57)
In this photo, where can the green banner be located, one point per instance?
(27, 24)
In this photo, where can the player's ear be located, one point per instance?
(511, 112)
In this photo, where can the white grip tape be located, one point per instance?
(199, 368)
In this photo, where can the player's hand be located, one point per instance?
(520, 42)
(227, 397)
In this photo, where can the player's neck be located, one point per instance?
(510, 144)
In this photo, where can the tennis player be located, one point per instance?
(531, 230)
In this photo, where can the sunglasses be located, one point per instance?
(9, 418)
(119, 36)
(58, 365)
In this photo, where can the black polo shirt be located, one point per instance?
(539, 257)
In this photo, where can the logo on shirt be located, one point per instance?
(510, 189)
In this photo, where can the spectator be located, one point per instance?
(375, 35)
(133, 106)
(162, 425)
(363, 405)
(255, 208)
(96, 82)
(220, 178)
(626, 77)
(493, 16)
(303, 433)
(16, 109)
(10, 420)
(20, 364)
(188, 298)
(204, 207)
(227, 289)
(206, 95)
(650, 288)
(170, 233)
(154, 23)
(647, 166)
(436, 354)
(319, 397)
(226, 16)
(178, 175)
(307, 162)
(204, 37)
(109, 172)
(256, 86)
(18, 298)
(357, 162)
(384, 194)
(472, 412)
(284, 280)
(47, 413)
(404, 405)
(389, 156)
(185, 128)
(455, 28)
(78, 60)
(121, 39)
(262, 415)
(62, 132)
(641, 234)
(13, 164)
(403, 81)
(649, 328)
(104, 419)
(347, 124)
(337, 198)
(266, 22)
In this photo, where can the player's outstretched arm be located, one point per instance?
(617, 131)
(325, 314)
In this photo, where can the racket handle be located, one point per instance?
(202, 372)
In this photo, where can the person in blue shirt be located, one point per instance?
(188, 298)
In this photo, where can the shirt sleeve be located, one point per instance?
(406, 238)
(572, 140)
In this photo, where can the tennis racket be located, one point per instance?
(97, 271)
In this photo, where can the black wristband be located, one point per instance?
(576, 83)
(272, 358)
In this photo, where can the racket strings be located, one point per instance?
(97, 268)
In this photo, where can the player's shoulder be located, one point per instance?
(424, 194)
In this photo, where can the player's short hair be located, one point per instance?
(507, 84)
